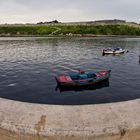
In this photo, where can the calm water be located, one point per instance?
(28, 67)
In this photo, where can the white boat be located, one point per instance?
(113, 51)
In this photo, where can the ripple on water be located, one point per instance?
(28, 67)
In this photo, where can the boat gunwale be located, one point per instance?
(73, 83)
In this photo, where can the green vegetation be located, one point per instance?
(26, 30)
(101, 30)
(69, 29)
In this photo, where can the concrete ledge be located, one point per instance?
(25, 121)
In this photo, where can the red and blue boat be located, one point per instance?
(83, 78)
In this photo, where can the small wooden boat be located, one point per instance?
(82, 78)
(113, 51)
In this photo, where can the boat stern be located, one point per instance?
(63, 79)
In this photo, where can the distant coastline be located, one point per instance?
(72, 29)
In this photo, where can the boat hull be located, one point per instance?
(113, 52)
(63, 88)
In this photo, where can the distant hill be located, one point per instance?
(96, 22)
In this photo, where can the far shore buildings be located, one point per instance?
(96, 22)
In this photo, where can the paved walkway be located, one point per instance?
(57, 30)
(26, 121)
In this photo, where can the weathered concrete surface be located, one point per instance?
(25, 121)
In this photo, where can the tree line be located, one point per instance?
(73, 29)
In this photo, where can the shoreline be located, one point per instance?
(75, 35)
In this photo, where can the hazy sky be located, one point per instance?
(32, 11)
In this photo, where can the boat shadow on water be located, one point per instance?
(100, 85)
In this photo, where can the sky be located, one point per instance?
(33, 11)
